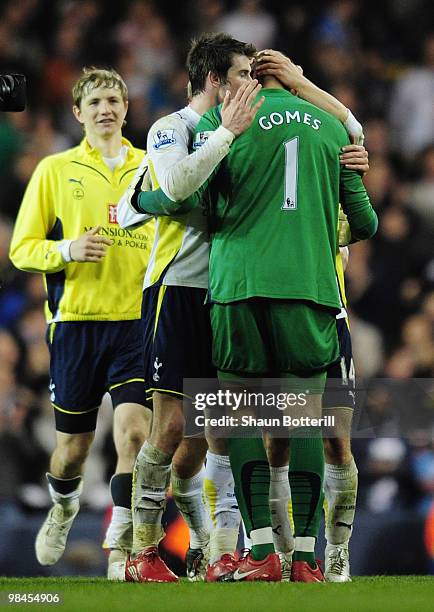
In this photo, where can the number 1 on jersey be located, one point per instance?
(291, 174)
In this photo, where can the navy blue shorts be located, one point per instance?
(340, 386)
(89, 358)
(177, 338)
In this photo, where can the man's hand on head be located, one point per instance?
(274, 63)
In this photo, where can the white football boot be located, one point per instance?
(51, 539)
(337, 563)
(286, 565)
(116, 565)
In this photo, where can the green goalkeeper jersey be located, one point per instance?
(273, 204)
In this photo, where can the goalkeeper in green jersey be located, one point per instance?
(340, 474)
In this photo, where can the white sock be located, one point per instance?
(219, 492)
(264, 535)
(151, 478)
(187, 493)
(222, 505)
(305, 544)
(280, 495)
(119, 534)
(68, 499)
(340, 493)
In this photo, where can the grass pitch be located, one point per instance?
(373, 594)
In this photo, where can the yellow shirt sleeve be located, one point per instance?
(33, 247)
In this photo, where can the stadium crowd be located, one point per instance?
(366, 55)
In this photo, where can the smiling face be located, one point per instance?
(102, 112)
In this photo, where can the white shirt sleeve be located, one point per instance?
(178, 173)
(64, 246)
(127, 216)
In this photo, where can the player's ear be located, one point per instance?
(77, 113)
(214, 80)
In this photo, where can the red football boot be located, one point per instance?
(302, 572)
(248, 570)
(226, 564)
(148, 567)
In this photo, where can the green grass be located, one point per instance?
(382, 594)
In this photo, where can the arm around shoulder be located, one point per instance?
(157, 203)
(185, 177)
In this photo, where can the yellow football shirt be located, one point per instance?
(68, 194)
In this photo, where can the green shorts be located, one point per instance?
(271, 337)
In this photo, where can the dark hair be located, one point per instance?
(213, 52)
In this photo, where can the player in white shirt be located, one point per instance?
(177, 336)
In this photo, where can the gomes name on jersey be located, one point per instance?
(267, 122)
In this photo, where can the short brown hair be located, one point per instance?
(98, 77)
(213, 52)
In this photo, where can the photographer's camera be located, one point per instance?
(12, 92)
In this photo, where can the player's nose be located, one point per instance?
(104, 107)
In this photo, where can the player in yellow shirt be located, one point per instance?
(67, 230)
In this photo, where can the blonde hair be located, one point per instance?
(97, 77)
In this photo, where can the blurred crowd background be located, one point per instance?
(378, 59)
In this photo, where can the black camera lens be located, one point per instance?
(12, 92)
